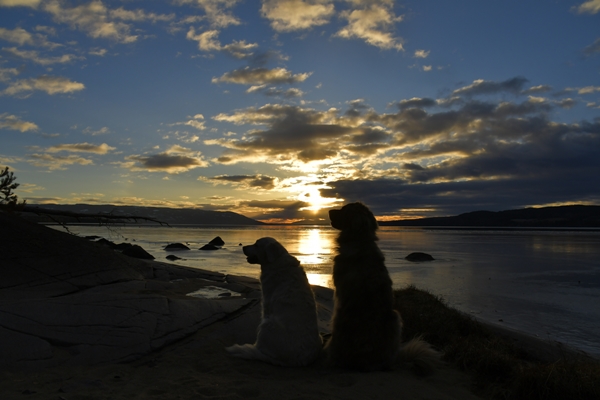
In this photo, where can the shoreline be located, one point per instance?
(129, 331)
(222, 262)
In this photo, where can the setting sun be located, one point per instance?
(313, 197)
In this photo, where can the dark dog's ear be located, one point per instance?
(364, 221)
(338, 219)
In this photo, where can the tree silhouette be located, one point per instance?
(7, 185)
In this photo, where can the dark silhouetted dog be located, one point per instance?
(366, 330)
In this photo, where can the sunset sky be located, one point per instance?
(281, 109)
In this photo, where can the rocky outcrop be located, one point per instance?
(137, 252)
(65, 300)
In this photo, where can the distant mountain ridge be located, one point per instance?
(171, 216)
(577, 216)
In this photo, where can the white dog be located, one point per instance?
(288, 333)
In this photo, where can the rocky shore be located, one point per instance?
(81, 321)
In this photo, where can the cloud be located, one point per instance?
(589, 7)
(416, 102)
(277, 211)
(244, 182)
(54, 162)
(481, 87)
(175, 160)
(82, 147)
(374, 24)
(585, 90)
(46, 83)
(293, 134)
(98, 52)
(207, 41)
(566, 103)
(421, 54)
(21, 37)
(294, 15)
(196, 122)
(94, 18)
(592, 48)
(102, 131)
(538, 89)
(261, 76)
(276, 92)
(140, 15)
(217, 12)
(480, 156)
(447, 158)
(34, 56)
(8, 121)
(6, 74)
(17, 3)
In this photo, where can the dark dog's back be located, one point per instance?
(366, 329)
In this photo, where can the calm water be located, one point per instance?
(546, 283)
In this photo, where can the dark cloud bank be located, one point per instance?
(489, 145)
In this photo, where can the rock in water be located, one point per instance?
(418, 256)
(217, 241)
(208, 247)
(176, 246)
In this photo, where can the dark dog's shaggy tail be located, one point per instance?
(422, 356)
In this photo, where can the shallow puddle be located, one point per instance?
(213, 292)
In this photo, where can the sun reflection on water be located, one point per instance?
(315, 255)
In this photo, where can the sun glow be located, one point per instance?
(312, 196)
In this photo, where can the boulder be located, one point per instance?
(137, 252)
(122, 246)
(172, 257)
(104, 242)
(209, 247)
(217, 241)
(418, 256)
(176, 246)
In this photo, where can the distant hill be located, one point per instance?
(545, 217)
(171, 216)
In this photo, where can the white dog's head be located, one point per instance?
(265, 251)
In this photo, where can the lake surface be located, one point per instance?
(543, 282)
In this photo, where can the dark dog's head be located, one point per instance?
(355, 221)
(265, 251)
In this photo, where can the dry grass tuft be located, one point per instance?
(499, 369)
